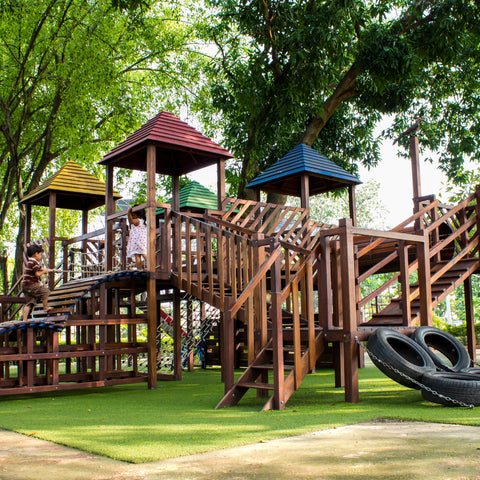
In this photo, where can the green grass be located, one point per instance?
(134, 424)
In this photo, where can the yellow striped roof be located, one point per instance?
(75, 188)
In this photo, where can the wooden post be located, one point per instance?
(349, 311)
(109, 210)
(405, 283)
(470, 319)
(175, 193)
(220, 182)
(277, 336)
(424, 281)
(324, 287)
(352, 204)
(228, 351)
(28, 223)
(52, 207)
(414, 158)
(177, 335)
(151, 281)
(304, 191)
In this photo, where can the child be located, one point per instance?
(33, 289)
(137, 238)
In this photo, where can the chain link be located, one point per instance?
(416, 382)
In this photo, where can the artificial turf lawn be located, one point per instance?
(134, 424)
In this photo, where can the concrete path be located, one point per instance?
(375, 450)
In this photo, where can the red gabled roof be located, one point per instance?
(185, 146)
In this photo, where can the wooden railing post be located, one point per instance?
(424, 281)
(349, 310)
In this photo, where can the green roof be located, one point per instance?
(195, 195)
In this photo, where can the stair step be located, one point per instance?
(268, 366)
(257, 385)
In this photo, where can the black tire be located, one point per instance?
(431, 339)
(400, 352)
(471, 371)
(462, 387)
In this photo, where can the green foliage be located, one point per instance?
(324, 72)
(76, 78)
(329, 208)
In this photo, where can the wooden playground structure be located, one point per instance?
(284, 294)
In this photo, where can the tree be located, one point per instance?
(371, 213)
(74, 77)
(323, 73)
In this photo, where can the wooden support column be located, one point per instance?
(175, 193)
(28, 223)
(151, 280)
(324, 287)
(228, 351)
(177, 335)
(352, 204)
(424, 281)
(304, 191)
(52, 206)
(470, 319)
(415, 160)
(220, 182)
(349, 311)
(405, 283)
(277, 336)
(109, 210)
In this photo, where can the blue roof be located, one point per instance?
(285, 175)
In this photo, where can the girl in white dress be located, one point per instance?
(137, 238)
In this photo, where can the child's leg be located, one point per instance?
(26, 311)
(46, 308)
(138, 261)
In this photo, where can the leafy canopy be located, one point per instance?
(323, 73)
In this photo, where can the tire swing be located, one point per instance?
(434, 340)
(462, 389)
(391, 350)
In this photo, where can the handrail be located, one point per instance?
(399, 227)
(255, 280)
(450, 214)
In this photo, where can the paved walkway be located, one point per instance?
(375, 450)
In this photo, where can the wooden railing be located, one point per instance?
(291, 225)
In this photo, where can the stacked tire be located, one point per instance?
(432, 361)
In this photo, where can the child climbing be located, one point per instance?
(33, 288)
(137, 238)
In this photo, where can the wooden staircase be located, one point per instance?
(393, 313)
(295, 363)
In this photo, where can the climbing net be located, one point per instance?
(201, 317)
